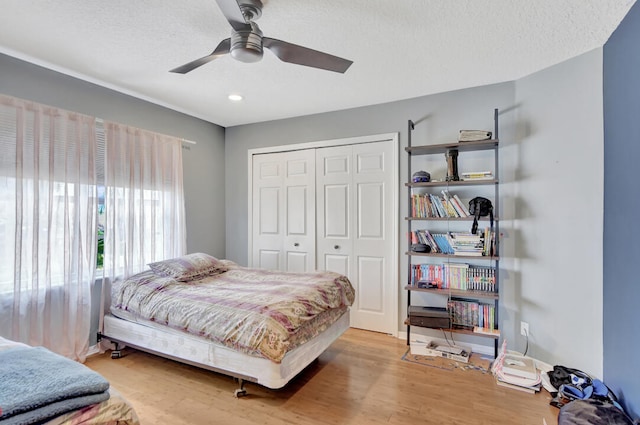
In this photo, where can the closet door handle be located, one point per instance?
(296, 244)
(336, 247)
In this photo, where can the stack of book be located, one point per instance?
(489, 241)
(457, 243)
(466, 243)
(460, 276)
(429, 205)
(516, 372)
(477, 175)
(469, 314)
(473, 135)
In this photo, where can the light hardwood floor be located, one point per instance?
(360, 379)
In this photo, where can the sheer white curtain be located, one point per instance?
(144, 200)
(47, 225)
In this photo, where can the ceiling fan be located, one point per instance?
(247, 42)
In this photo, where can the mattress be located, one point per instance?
(253, 311)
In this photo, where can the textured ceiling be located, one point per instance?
(400, 48)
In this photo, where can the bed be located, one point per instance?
(70, 394)
(255, 325)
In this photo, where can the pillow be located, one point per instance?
(188, 267)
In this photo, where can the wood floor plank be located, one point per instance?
(360, 379)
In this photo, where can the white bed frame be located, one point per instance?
(200, 352)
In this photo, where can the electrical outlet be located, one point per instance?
(524, 329)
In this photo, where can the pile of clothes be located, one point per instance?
(584, 400)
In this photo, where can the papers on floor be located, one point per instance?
(516, 372)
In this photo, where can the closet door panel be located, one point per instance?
(336, 211)
(283, 213)
(296, 210)
(268, 179)
(268, 259)
(297, 261)
(371, 274)
(370, 211)
(269, 204)
(373, 243)
(355, 216)
(336, 263)
(334, 205)
(299, 241)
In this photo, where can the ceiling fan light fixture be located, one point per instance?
(247, 42)
(235, 97)
(246, 45)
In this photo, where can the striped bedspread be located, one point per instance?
(258, 312)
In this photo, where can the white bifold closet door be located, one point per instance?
(355, 205)
(284, 207)
(331, 209)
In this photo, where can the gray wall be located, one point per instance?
(203, 163)
(551, 161)
(440, 118)
(559, 212)
(622, 203)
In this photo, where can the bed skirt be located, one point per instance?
(203, 353)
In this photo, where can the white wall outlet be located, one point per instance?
(524, 329)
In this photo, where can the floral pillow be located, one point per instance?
(189, 267)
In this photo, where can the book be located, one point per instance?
(523, 367)
(531, 390)
(462, 206)
(486, 331)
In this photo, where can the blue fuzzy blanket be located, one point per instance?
(36, 384)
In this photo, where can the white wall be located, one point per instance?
(559, 213)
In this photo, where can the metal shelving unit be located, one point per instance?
(414, 223)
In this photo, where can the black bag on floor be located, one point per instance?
(590, 412)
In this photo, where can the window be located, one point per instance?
(74, 194)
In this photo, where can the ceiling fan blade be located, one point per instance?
(231, 11)
(222, 49)
(299, 55)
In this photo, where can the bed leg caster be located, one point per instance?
(240, 392)
(116, 353)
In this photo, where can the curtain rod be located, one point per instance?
(101, 121)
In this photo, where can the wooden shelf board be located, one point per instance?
(457, 331)
(460, 146)
(458, 293)
(470, 218)
(466, 257)
(454, 183)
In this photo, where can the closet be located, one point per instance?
(332, 206)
